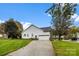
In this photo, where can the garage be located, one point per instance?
(44, 37)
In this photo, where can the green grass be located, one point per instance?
(10, 45)
(64, 48)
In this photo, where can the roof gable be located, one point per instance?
(30, 26)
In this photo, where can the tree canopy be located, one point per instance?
(61, 16)
(12, 28)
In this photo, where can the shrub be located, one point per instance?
(74, 39)
(34, 38)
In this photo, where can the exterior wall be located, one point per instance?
(77, 35)
(33, 31)
(5, 36)
(1, 35)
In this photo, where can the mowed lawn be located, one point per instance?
(64, 48)
(10, 45)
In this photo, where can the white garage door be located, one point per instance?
(44, 37)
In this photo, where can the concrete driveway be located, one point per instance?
(35, 48)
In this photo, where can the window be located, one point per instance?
(27, 35)
(24, 34)
(32, 34)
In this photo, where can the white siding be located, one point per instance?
(33, 31)
(77, 35)
(1, 35)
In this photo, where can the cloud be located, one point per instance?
(1, 21)
(49, 15)
(74, 16)
(77, 19)
(25, 24)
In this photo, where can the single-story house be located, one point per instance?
(33, 31)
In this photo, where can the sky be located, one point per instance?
(27, 13)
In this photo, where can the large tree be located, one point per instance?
(13, 28)
(61, 14)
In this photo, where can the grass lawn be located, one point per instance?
(10, 45)
(64, 48)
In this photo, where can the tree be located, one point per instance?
(54, 33)
(61, 14)
(13, 28)
(73, 31)
(20, 28)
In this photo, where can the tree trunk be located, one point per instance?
(59, 37)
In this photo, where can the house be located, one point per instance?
(33, 31)
(2, 32)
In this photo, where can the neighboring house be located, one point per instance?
(3, 35)
(78, 35)
(33, 31)
(2, 32)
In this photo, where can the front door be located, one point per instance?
(36, 37)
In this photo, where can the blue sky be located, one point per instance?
(32, 13)
(28, 13)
